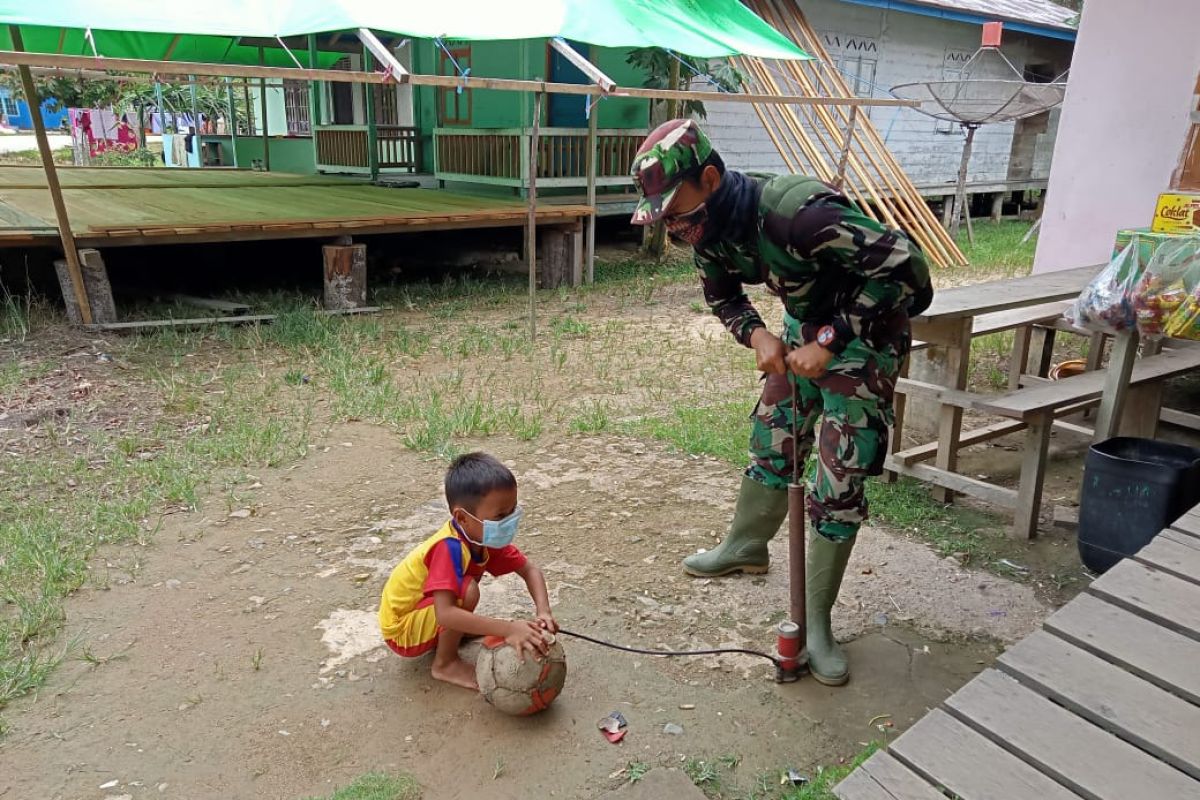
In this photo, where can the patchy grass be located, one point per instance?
(710, 774)
(453, 362)
(722, 431)
(15, 313)
(378, 786)
(997, 253)
(820, 787)
(82, 488)
(636, 770)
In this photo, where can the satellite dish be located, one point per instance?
(988, 89)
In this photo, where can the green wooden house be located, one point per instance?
(474, 139)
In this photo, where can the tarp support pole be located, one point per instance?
(315, 90)
(232, 121)
(586, 67)
(590, 267)
(56, 196)
(197, 139)
(531, 220)
(262, 104)
(369, 112)
(382, 55)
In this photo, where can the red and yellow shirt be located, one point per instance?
(441, 562)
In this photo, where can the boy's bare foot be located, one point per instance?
(457, 672)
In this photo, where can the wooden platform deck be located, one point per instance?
(114, 206)
(1102, 703)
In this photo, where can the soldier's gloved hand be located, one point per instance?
(809, 361)
(769, 351)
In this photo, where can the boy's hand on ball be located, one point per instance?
(526, 635)
(547, 621)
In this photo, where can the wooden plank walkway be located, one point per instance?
(128, 206)
(1102, 703)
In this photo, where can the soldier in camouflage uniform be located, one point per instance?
(848, 286)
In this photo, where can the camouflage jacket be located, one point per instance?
(828, 262)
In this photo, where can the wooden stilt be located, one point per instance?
(56, 195)
(560, 260)
(345, 276)
(97, 289)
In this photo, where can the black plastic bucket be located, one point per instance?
(1132, 489)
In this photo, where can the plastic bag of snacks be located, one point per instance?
(1106, 304)
(1185, 322)
(1165, 285)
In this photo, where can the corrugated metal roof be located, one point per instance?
(1034, 12)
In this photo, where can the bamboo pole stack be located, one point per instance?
(836, 143)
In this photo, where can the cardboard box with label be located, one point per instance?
(1148, 242)
(1177, 212)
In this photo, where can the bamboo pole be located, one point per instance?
(820, 118)
(55, 60)
(905, 200)
(821, 85)
(813, 162)
(56, 195)
(531, 221)
(903, 190)
(847, 140)
(825, 171)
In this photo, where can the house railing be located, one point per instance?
(344, 148)
(501, 156)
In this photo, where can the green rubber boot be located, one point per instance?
(759, 512)
(826, 566)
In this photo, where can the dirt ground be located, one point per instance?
(239, 656)
(233, 651)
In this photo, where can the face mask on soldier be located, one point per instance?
(689, 226)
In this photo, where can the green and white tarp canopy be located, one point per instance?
(214, 31)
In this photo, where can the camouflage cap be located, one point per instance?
(668, 153)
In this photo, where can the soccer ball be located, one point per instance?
(516, 687)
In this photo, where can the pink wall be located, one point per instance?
(1122, 128)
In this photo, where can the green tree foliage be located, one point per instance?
(656, 63)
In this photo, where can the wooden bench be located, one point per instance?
(1036, 409)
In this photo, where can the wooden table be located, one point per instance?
(1029, 306)
(967, 302)
(948, 325)
(1102, 703)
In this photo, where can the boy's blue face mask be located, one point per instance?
(497, 533)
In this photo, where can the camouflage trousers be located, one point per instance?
(847, 412)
